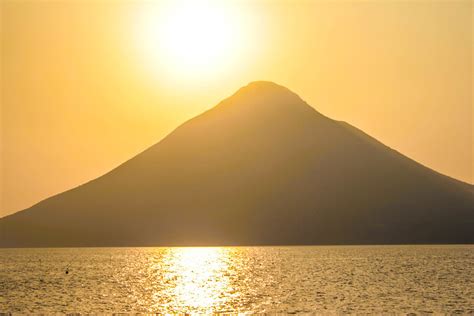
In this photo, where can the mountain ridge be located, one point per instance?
(261, 167)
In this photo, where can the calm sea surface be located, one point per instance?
(255, 279)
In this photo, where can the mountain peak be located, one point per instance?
(263, 84)
(265, 96)
(264, 87)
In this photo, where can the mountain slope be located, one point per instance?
(262, 167)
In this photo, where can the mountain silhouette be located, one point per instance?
(260, 168)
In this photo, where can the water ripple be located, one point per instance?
(364, 279)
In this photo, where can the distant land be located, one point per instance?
(260, 168)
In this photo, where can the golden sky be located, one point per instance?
(86, 85)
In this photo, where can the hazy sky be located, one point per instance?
(86, 85)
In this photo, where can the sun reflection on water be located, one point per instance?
(198, 279)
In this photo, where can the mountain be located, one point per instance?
(260, 168)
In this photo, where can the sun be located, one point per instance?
(191, 39)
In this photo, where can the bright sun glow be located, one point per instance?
(191, 38)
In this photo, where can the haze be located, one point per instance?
(84, 87)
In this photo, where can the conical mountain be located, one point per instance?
(261, 167)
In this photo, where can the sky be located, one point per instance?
(86, 85)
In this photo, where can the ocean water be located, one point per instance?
(347, 279)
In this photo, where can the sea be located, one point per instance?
(301, 279)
